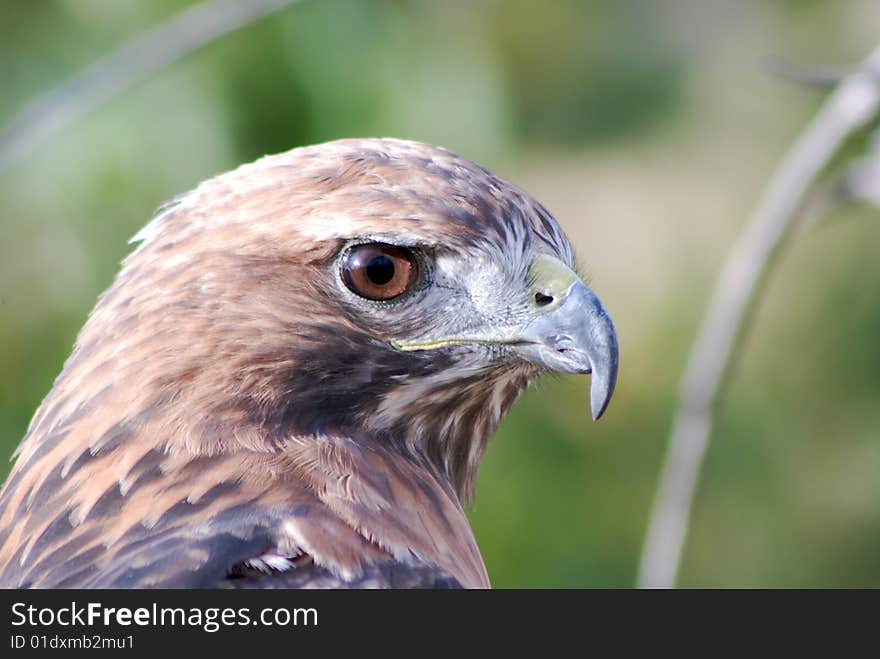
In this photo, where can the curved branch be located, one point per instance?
(850, 107)
(133, 62)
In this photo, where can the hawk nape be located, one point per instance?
(294, 376)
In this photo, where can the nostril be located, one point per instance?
(543, 300)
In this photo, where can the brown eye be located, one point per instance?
(378, 271)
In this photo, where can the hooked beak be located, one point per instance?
(569, 331)
(572, 332)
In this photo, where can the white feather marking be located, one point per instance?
(268, 563)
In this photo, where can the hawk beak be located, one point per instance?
(572, 332)
(569, 331)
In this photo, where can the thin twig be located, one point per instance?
(850, 107)
(133, 62)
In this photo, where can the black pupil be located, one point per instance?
(380, 270)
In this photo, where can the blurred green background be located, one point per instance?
(649, 129)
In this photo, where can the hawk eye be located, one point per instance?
(378, 271)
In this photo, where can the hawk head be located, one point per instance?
(377, 287)
(382, 292)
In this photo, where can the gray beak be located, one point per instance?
(567, 331)
(576, 336)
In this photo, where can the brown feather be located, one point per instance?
(185, 433)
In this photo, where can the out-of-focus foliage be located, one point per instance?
(649, 129)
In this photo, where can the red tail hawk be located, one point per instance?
(294, 376)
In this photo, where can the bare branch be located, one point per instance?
(133, 62)
(852, 105)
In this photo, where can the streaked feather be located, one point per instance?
(226, 420)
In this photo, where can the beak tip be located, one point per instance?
(598, 404)
(604, 376)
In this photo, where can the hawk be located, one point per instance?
(294, 376)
